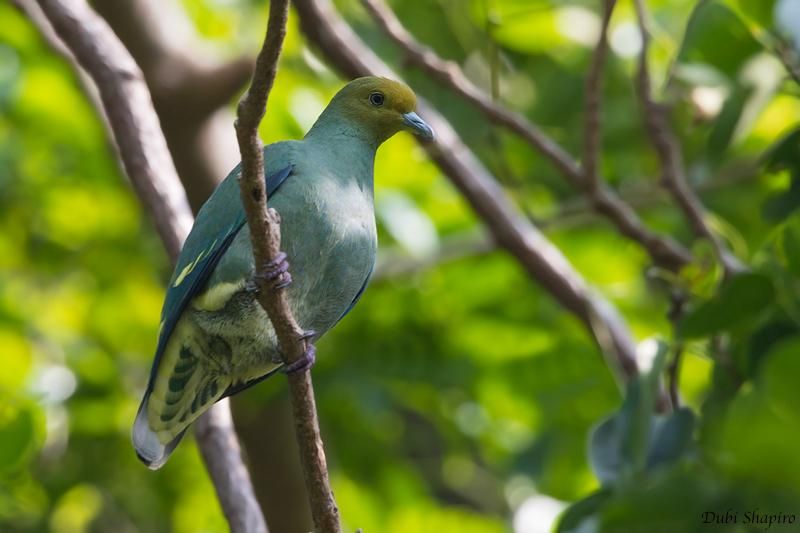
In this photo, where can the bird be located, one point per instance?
(214, 338)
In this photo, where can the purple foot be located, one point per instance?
(277, 272)
(308, 359)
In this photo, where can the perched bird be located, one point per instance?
(215, 339)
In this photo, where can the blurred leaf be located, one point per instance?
(671, 437)
(758, 11)
(576, 517)
(740, 299)
(784, 153)
(620, 445)
(714, 23)
(701, 276)
(727, 120)
(789, 245)
(783, 204)
(17, 437)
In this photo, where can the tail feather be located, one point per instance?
(182, 387)
(149, 448)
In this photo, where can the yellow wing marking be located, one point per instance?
(215, 298)
(188, 268)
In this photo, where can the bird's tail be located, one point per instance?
(180, 390)
(149, 448)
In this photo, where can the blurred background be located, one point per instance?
(458, 395)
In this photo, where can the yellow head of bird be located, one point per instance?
(383, 106)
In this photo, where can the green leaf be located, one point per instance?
(740, 299)
(755, 11)
(619, 445)
(780, 206)
(574, 518)
(17, 439)
(671, 437)
(784, 153)
(789, 246)
(714, 23)
(725, 124)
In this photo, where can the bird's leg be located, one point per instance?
(276, 272)
(308, 359)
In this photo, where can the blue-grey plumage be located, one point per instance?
(215, 339)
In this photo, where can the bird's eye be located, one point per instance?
(376, 99)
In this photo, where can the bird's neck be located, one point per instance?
(352, 146)
(336, 128)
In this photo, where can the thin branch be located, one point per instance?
(663, 250)
(668, 149)
(149, 166)
(788, 57)
(544, 263)
(393, 263)
(265, 233)
(674, 315)
(594, 95)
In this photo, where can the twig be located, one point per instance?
(670, 154)
(663, 250)
(788, 57)
(265, 232)
(543, 261)
(149, 166)
(594, 95)
(675, 313)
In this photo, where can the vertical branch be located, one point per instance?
(146, 160)
(670, 154)
(594, 97)
(265, 233)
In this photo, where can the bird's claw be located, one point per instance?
(277, 273)
(308, 359)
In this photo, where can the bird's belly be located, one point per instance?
(329, 275)
(331, 253)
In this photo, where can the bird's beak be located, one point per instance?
(418, 126)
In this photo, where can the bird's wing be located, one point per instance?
(357, 297)
(215, 228)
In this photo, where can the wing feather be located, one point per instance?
(197, 262)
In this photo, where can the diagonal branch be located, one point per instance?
(670, 154)
(147, 162)
(662, 249)
(265, 234)
(543, 261)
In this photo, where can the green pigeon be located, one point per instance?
(215, 339)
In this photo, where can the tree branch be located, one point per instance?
(265, 233)
(663, 250)
(670, 154)
(574, 212)
(190, 87)
(594, 95)
(543, 261)
(147, 162)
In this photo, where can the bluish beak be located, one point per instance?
(418, 126)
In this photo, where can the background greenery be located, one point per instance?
(457, 396)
